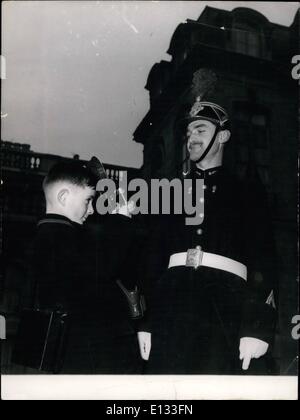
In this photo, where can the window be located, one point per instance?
(247, 40)
(157, 157)
(185, 160)
(259, 125)
(251, 140)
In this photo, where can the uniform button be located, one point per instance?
(199, 232)
(201, 200)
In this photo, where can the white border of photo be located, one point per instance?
(106, 387)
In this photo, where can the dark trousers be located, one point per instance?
(115, 355)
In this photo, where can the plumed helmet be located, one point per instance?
(209, 111)
(203, 85)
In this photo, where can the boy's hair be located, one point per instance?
(75, 173)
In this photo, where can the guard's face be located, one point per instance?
(79, 204)
(199, 135)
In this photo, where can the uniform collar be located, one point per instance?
(207, 173)
(58, 219)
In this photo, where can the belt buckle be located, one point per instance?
(194, 257)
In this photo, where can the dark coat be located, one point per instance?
(197, 317)
(72, 267)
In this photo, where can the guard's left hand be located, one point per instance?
(122, 210)
(251, 348)
(126, 210)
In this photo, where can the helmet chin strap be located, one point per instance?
(206, 151)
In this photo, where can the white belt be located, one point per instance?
(196, 258)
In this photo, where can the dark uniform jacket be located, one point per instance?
(74, 269)
(197, 317)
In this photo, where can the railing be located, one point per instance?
(19, 160)
(21, 194)
(15, 156)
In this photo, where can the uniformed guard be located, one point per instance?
(209, 288)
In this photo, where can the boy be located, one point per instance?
(60, 267)
(69, 273)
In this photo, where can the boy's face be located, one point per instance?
(79, 203)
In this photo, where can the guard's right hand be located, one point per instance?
(144, 339)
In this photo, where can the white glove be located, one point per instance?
(122, 210)
(251, 348)
(127, 209)
(144, 339)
